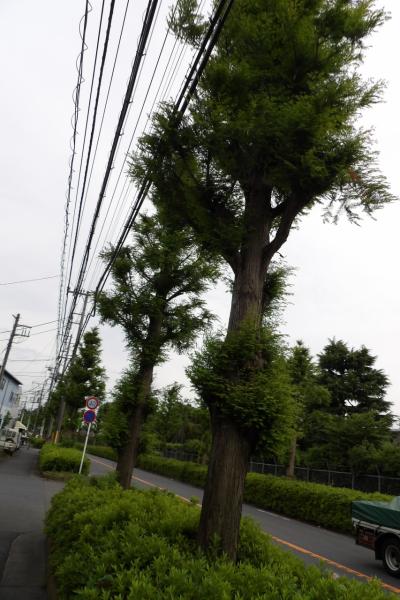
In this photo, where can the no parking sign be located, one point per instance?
(89, 417)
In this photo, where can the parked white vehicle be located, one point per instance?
(10, 439)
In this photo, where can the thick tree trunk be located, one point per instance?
(127, 455)
(292, 457)
(223, 494)
(230, 452)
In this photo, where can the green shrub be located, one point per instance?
(103, 451)
(37, 442)
(67, 443)
(55, 458)
(142, 545)
(312, 502)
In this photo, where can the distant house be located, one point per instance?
(10, 392)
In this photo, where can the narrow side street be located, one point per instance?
(24, 499)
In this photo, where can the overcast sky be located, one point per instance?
(346, 283)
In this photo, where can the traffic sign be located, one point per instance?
(89, 416)
(92, 402)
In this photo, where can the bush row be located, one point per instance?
(312, 502)
(55, 458)
(96, 450)
(142, 545)
(103, 451)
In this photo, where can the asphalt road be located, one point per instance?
(312, 544)
(24, 500)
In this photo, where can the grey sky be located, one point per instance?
(346, 284)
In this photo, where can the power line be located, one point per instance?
(146, 28)
(170, 70)
(38, 333)
(29, 359)
(31, 326)
(29, 280)
(186, 92)
(130, 142)
(188, 89)
(105, 107)
(76, 98)
(151, 8)
(99, 84)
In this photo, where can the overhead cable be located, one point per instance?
(192, 80)
(76, 98)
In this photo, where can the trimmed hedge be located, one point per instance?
(55, 458)
(103, 452)
(322, 505)
(187, 472)
(139, 544)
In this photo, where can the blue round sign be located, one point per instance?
(89, 416)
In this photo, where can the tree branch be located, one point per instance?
(290, 209)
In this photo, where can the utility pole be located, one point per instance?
(61, 410)
(14, 332)
(39, 405)
(10, 341)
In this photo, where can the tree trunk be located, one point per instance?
(223, 493)
(127, 455)
(230, 451)
(292, 457)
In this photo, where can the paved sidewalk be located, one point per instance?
(24, 500)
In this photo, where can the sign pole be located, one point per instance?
(84, 447)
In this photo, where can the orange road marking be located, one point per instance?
(300, 549)
(333, 563)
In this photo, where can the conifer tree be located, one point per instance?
(355, 385)
(85, 375)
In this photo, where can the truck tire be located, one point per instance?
(391, 556)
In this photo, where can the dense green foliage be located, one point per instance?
(84, 377)
(54, 458)
(141, 545)
(257, 395)
(346, 422)
(319, 504)
(354, 384)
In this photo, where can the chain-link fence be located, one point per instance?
(355, 481)
(364, 482)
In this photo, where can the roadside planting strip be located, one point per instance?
(300, 549)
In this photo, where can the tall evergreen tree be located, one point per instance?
(309, 395)
(355, 385)
(157, 284)
(271, 132)
(85, 376)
